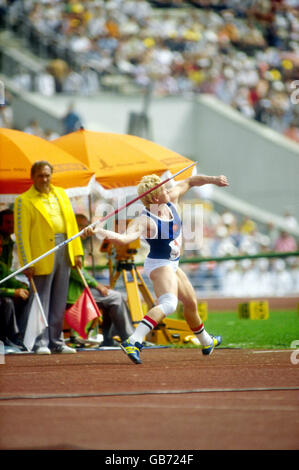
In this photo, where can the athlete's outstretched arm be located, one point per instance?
(136, 228)
(182, 187)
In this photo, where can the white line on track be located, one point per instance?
(273, 351)
(258, 407)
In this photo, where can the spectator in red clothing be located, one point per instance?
(285, 242)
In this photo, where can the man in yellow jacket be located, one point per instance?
(43, 218)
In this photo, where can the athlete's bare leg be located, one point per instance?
(187, 296)
(164, 282)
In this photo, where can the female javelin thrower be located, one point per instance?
(160, 225)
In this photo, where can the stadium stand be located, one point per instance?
(245, 53)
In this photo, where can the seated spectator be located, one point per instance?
(79, 42)
(282, 279)
(6, 115)
(73, 83)
(294, 272)
(247, 225)
(6, 257)
(292, 132)
(91, 84)
(13, 297)
(22, 79)
(45, 83)
(34, 128)
(265, 278)
(51, 135)
(59, 70)
(6, 230)
(290, 220)
(285, 242)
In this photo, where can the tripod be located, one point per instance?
(135, 286)
(169, 330)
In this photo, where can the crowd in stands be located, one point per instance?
(226, 235)
(243, 52)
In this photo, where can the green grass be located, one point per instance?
(277, 332)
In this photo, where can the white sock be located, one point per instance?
(144, 327)
(202, 335)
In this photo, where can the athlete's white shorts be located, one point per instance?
(150, 264)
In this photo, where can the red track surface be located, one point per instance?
(134, 406)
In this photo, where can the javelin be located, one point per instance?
(103, 219)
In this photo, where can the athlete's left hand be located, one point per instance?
(221, 181)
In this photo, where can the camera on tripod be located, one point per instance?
(124, 254)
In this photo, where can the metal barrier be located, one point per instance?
(218, 259)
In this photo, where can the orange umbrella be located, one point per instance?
(20, 150)
(120, 160)
(172, 160)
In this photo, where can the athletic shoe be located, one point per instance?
(16, 344)
(63, 349)
(78, 341)
(132, 350)
(11, 350)
(42, 350)
(207, 350)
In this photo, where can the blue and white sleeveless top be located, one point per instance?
(166, 243)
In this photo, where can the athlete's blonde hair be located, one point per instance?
(146, 183)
